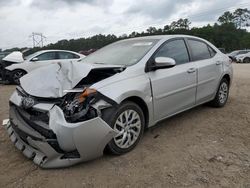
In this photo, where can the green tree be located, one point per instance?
(241, 17)
(151, 30)
(226, 18)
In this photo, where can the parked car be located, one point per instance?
(39, 59)
(15, 57)
(222, 50)
(87, 52)
(233, 54)
(243, 58)
(66, 113)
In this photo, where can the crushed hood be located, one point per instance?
(16, 57)
(52, 80)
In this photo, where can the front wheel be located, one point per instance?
(222, 94)
(128, 121)
(246, 60)
(16, 75)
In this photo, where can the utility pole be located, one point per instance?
(38, 39)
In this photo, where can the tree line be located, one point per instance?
(229, 32)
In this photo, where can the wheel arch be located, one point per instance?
(19, 69)
(227, 77)
(245, 59)
(141, 103)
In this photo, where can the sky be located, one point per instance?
(68, 19)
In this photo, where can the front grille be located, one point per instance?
(39, 121)
(34, 120)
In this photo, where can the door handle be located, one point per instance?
(191, 70)
(218, 62)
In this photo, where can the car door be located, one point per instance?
(68, 56)
(43, 59)
(173, 88)
(209, 65)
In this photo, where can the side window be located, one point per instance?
(67, 55)
(199, 50)
(175, 49)
(212, 51)
(46, 56)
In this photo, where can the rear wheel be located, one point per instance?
(16, 75)
(222, 94)
(246, 60)
(128, 121)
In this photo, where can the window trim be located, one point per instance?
(191, 53)
(151, 59)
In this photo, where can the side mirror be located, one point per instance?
(163, 63)
(34, 59)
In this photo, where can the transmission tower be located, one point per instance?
(38, 39)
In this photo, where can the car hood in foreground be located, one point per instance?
(52, 80)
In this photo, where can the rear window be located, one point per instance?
(199, 50)
(67, 55)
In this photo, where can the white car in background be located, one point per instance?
(39, 59)
(243, 58)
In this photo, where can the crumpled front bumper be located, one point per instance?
(88, 139)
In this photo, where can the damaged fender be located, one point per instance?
(89, 137)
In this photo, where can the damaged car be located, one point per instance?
(78, 110)
(36, 60)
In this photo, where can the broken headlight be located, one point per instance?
(77, 105)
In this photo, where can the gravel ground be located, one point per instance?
(203, 147)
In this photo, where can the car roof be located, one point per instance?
(159, 37)
(42, 51)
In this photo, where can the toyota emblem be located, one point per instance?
(28, 102)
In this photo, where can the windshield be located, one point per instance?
(126, 52)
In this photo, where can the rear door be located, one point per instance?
(210, 68)
(174, 88)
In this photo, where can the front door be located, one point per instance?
(173, 89)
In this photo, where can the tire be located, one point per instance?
(222, 94)
(116, 118)
(246, 60)
(16, 75)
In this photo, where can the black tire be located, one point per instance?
(112, 114)
(217, 101)
(16, 75)
(246, 60)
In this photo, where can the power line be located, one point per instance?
(38, 39)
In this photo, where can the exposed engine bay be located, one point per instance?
(77, 103)
(77, 107)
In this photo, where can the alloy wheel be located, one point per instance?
(223, 93)
(128, 126)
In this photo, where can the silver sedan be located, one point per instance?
(67, 112)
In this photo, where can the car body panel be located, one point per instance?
(209, 75)
(59, 77)
(179, 85)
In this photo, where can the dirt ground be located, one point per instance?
(203, 147)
